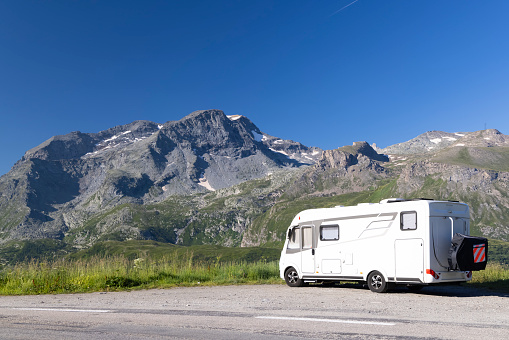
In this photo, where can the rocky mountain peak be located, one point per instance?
(427, 142)
(70, 177)
(434, 141)
(484, 138)
(76, 144)
(365, 149)
(211, 130)
(347, 156)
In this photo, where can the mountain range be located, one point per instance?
(210, 178)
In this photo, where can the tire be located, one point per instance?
(377, 283)
(292, 278)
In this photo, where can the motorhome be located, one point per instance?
(413, 242)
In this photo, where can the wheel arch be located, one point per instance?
(381, 271)
(291, 265)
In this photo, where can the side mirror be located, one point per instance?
(290, 232)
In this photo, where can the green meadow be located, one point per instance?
(121, 273)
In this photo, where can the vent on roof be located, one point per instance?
(392, 200)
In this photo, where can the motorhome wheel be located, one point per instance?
(377, 282)
(292, 278)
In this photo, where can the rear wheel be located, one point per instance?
(292, 278)
(377, 282)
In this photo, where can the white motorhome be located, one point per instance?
(396, 241)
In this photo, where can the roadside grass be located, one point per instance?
(494, 277)
(120, 273)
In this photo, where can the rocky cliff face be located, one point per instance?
(347, 169)
(345, 157)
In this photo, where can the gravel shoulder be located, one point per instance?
(451, 312)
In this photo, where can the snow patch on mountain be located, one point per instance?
(234, 117)
(258, 137)
(280, 151)
(205, 183)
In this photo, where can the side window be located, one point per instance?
(329, 232)
(307, 238)
(294, 238)
(408, 220)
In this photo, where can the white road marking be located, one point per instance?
(328, 320)
(66, 310)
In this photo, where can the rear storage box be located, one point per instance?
(468, 253)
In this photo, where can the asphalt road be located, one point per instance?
(259, 312)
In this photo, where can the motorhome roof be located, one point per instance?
(320, 213)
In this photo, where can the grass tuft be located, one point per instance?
(494, 277)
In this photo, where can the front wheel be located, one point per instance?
(292, 278)
(377, 282)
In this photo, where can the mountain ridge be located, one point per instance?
(435, 141)
(66, 180)
(210, 178)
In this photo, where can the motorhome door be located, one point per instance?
(443, 228)
(307, 253)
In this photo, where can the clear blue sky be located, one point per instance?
(324, 73)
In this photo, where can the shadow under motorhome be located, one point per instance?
(394, 242)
